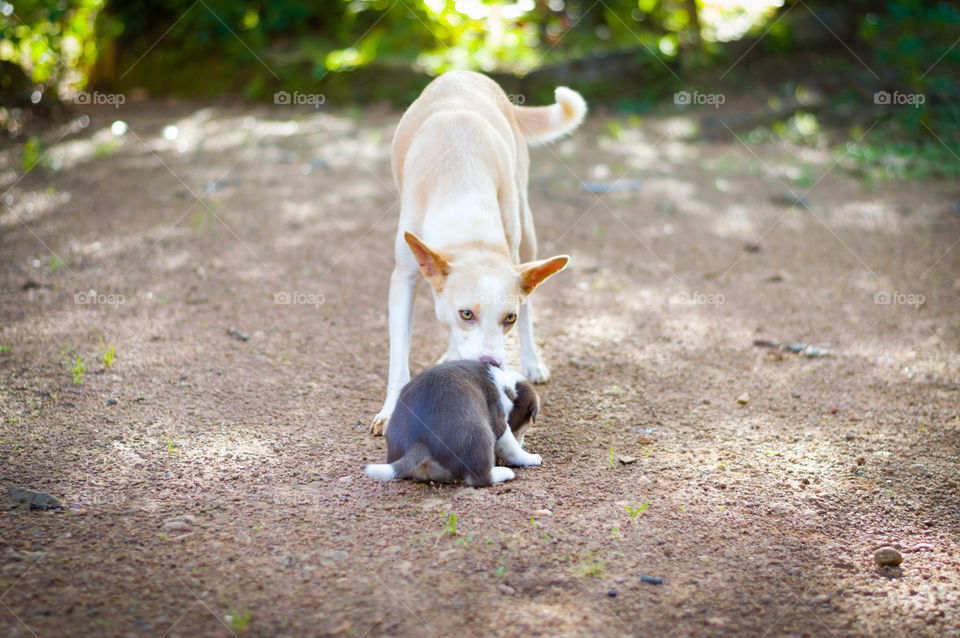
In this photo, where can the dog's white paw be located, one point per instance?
(379, 424)
(501, 474)
(536, 372)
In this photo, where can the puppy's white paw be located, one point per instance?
(523, 459)
(501, 474)
(536, 372)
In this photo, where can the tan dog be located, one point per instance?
(461, 163)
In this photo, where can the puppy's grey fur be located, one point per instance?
(450, 425)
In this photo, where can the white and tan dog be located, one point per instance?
(461, 162)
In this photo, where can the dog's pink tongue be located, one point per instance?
(490, 361)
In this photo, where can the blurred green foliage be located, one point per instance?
(49, 41)
(914, 48)
(630, 53)
(433, 35)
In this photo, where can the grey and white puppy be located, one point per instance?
(452, 422)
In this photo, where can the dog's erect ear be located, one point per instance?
(533, 273)
(433, 265)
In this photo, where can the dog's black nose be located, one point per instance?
(490, 361)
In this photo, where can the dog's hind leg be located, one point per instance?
(403, 289)
(407, 466)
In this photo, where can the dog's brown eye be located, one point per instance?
(466, 315)
(509, 318)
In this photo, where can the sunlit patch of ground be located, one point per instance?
(238, 259)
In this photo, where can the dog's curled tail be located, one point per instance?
(542, 124)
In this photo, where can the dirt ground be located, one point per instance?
(213, 471)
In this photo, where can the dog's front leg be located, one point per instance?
(533, 369)
(403, 289)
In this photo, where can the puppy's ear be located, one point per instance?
(525, 406)
(533, 273)
(434, 266)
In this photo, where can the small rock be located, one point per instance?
(887, 556)
(923, 546)
(180, 523)
(612, 593)
(611, 186)
(653, 580)
(627, 460)
(791, 200)
(543, 513)
(861, 460)
(195, 297)
(642, 440)
(506, 589)
(744, 398)
(233, 332)
(816, 352)
(35, 500)
(175, 526)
